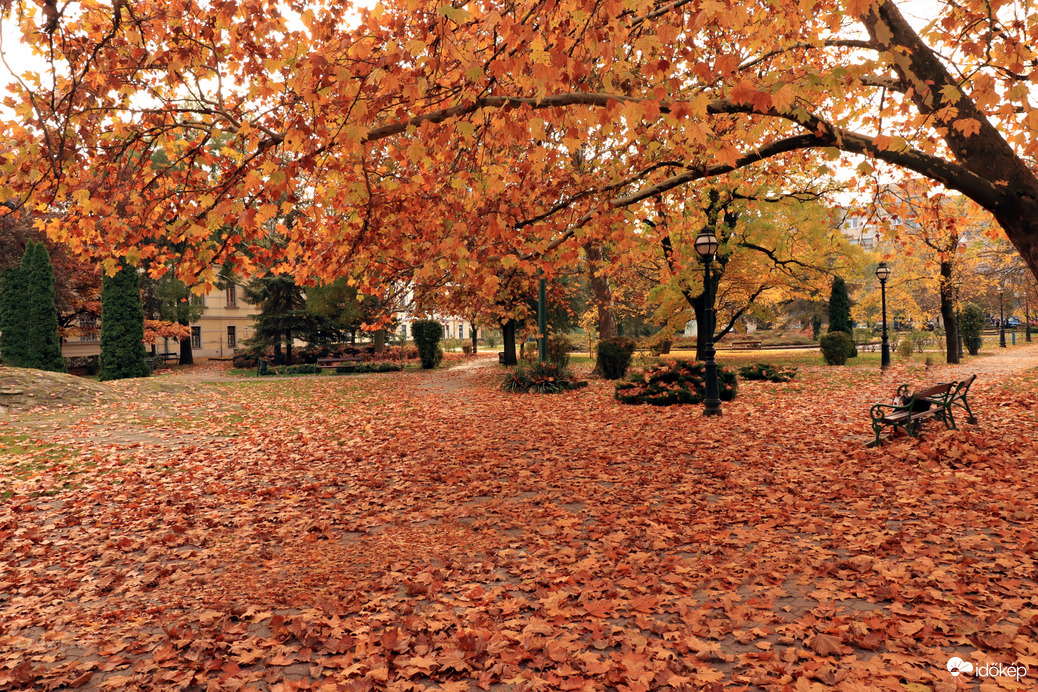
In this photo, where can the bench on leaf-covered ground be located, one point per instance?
(345, 362)
(912, 408)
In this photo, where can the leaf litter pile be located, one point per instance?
(426, 531)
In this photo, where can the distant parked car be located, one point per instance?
(1013, 322)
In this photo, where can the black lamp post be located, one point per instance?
(1027, 316)
(958, 329)
(706, 246)
(542, 321)
(883, 273)
(1001, 319)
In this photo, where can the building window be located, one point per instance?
(232, 338)
(196, 337)
(461, 331)
(232, 296)
(88, 327)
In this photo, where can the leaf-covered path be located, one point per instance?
(425, 531)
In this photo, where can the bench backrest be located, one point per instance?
(935, 390)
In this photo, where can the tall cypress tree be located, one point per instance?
(122, 327)
(14, 317)
(43, 344)
(840, 307)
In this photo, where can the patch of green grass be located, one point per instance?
(25, 457)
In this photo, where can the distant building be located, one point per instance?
(858, 229)
(226, 323)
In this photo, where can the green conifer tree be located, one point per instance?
(122, 327)
(43, 346)
(14, 317)
(839, 307)
(840, 314)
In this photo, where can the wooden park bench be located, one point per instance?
(936, 401)
(345, 362)
(743, 345)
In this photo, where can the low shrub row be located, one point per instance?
(767, 371)
(371, 367)
(245, 359)
(314, 369)
(675, 382)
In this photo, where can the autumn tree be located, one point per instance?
(168, 299)
(77, 283)
(936, 234)
(362, 127)
(122, 327)
(774, 247)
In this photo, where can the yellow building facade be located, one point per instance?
(225, 324)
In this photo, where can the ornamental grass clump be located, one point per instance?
(674, 382)
(541, 378)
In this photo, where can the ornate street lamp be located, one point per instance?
(706, 247)
(1001, 319)
(883, 273)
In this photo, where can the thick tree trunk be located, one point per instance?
(187, 356)
(380, 341)
(600, 293)
(472, 328)
(508, 337)
(288, 347)
(987, 169)
(951, 325)
(277, 350)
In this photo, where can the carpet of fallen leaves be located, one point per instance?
(424, 531)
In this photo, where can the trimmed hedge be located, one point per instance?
(313, 369)
(427, 335)
(837, 347)
(614, 357)
(971, 323)
(674, 382)
(558, 350)
(767, 371)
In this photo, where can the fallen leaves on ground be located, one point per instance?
(424, 531)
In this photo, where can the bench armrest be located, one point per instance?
(878, 411)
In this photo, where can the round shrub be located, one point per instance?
(614, 357)
(971, 323)
(558, 350)
(427, 335)
(836, 347)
